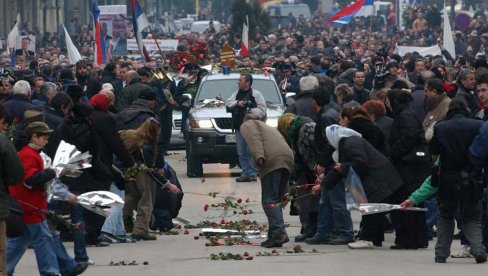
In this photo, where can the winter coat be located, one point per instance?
(303, 106)
(378, 176)
(16, 107)
(327, 116)
(90, 85)
(370, 133)
(104, 125)
(133, 116)
(303, 147)
(131, 92)
(437, 112)
(11, 172)
(452, 139)
(361, 95)
(478, 151)
(384, 124)
(267, 142)
(470, 97)
(41, 100)
(408, 147)
(31, 189)
(419, 104)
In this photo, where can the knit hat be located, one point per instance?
(37, 128)
(100, 101)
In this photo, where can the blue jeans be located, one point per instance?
(41, 238)
(114, 223)
(65, 262)
(245, 160)
(78, 236)
(334, 219)
(431, 215)
(273, 187)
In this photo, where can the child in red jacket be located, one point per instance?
(31, 195)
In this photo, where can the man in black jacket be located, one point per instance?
(90, 85)
(304, 98)
(466, 84)
(360, 93)
(460, 183)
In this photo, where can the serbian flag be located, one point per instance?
(358, 8)
(100, 49)
(245, 37)
(139, 23)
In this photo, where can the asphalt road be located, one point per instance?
(183, 255)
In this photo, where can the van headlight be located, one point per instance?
(205, 123)
(272, 122)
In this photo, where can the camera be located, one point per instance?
(380, 76)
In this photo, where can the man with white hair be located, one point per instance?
(20, 101)
(46, 93)
(302, 106)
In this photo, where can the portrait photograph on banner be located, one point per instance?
(25, 46)
(114, 29)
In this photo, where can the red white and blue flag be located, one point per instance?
(100, 49)
(139, 23)
(245, 36)
(358, 8)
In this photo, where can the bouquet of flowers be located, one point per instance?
(197, 53)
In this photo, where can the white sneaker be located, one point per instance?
(463, 252)
(361, 244)
(90, 262)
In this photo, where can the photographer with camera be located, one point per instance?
(389, 76)
(243, 101)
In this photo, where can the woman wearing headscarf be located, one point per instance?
(298, 132)
(378, 177)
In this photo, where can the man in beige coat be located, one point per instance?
(274, 160)
(437, 105)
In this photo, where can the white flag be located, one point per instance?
(14, 33)
(447, 39)
(73, 54)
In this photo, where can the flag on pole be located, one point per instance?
(447, 38)
(12, 40)
(100, 50)
(358, 8)
(73, 54)
(139, 23)
(245, 36)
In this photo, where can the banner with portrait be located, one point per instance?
(25, 46)
(114, 29)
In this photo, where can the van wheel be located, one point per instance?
(194, 166)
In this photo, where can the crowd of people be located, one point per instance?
(360, 109)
